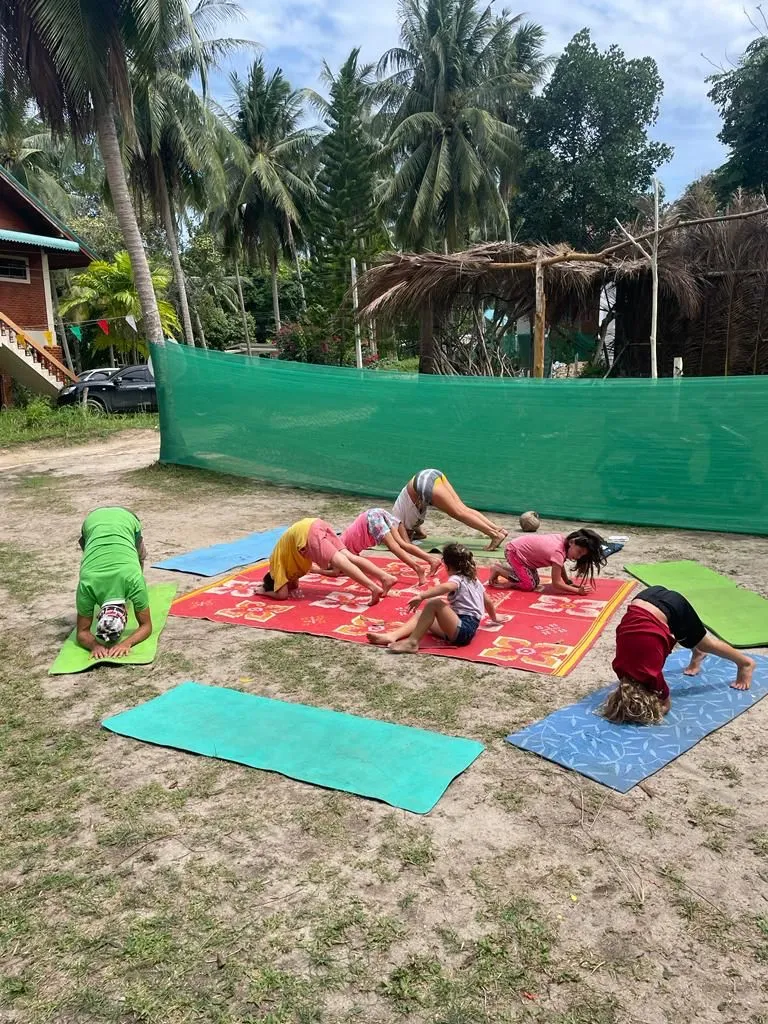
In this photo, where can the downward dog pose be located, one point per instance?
(646, 635)
(313, 541)
(456, 620)
(375, 526)
(533, 551)
(111, 575)
(431, 487)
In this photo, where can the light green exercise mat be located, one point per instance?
(477, 545)
(74, 658)
(736, 615)
(404, 767)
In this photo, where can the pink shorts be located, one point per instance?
(322, 544)
(525, 578)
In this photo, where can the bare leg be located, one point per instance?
(342, 561)
(371, 569)
(447, 500)
(401, 537)
(499, 571)
(712, 645)
(385, 639)
(392, 541)
(436, 616)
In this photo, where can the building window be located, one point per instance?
(14, 268)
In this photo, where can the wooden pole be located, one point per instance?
(540, 321)
(655, 280)
(358, 343)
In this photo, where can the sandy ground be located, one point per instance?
(658, 900)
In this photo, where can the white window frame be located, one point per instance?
(21, 258)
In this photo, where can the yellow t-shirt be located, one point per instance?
(287, 561)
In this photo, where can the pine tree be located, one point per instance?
(346, 221)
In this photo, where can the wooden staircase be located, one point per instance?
(29, 362)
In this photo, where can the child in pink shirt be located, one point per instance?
(375, 526)
(533, 551)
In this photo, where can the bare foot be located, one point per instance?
(435, 564)
(743, 679)
(376, 595)
(497, 541)
(499, 583)
(421, 577)
(390, 582)
(407, 646)
(378, 639)
(695, 666)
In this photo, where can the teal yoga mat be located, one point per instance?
(74, 658)
(404, 767)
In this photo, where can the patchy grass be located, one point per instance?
(23, 576)
(44, 492)
(187, 482)
(41, 422)
(308, 665)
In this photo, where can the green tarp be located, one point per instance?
(736, 615)
(689, 452)
(404, 767)
(74, 658)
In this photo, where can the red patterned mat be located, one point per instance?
(544, 632)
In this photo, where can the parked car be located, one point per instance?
(99, 374)
(131, 389)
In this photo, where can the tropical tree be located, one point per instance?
(589, 156)
(108, 291)
(277, 188)
(175, 160)
(741, 96)
(449, 87)
(78, 57)
(345, 222)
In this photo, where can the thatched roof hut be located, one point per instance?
(713, 290)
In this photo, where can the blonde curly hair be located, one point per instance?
(632, 703)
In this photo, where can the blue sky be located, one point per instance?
(682, 37)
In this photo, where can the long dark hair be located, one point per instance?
(460, 560)
(594, 560)
(268, 583)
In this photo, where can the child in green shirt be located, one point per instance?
(111, 575)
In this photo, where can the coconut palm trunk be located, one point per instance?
(275, 292)
(242, 308)
(200, 330)
(178, 273)
(109, 145)
(297, 264)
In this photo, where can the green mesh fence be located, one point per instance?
(687, 453)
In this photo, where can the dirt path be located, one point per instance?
(129, 449)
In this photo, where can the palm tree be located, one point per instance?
(277, 187)
(176, 153)
(448, 89)
(108, 291)
(78, 58)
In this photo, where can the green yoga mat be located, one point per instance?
(736, 615)
(404, 767)
(74, 658)
(476, 545)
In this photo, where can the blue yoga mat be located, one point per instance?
(222, 557)
(404, 767)
(620, 756)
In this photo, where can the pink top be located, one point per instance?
(368, 530)
(539, 550)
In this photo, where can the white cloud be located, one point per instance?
(681, 37)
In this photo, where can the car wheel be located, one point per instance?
(96, 406)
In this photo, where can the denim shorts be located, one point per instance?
(467, 628)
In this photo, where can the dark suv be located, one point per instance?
(131, 389)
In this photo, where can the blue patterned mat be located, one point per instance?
(620, 756)
(222, 557)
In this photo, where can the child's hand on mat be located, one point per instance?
(119, 650)
(413, 604)
(99, 652)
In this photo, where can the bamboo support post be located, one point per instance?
(540, 321)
